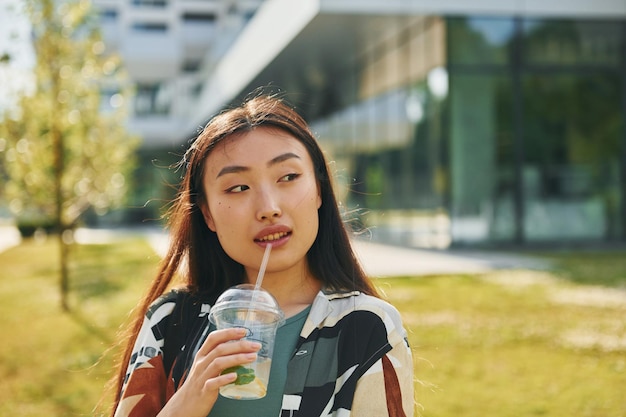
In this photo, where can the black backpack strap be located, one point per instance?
(174, 334)
(184, 327)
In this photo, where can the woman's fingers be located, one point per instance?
(213, 384)
(221, 336)
(221, 350)
(226, 342)
(225, 356)
(222, 363)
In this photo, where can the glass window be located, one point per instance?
(481, 158)
(558, 42)
(152, 99)
(150, 3)
(192, 65)
(108, 15)
(478, 40)
(149, 27)
(198, 17)
(400, 177)
(572, 142)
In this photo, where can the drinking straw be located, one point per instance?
(266, 257)
(259, 281)
(257, 285)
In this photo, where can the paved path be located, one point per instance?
(9, 237)
(385, 260)
(378, 260)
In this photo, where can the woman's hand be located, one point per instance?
(221, 350)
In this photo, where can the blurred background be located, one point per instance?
(449, 123)
(480, 146)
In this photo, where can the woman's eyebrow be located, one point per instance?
(281, 158)
(233, 169)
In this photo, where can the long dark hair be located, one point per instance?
(195, 254)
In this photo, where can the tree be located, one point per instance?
(63, 151)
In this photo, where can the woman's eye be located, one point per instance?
(289, 177)
(237, 189)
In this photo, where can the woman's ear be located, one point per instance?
(208, 219)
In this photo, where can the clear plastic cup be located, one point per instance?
(258, 312)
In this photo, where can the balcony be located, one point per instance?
(151, 55)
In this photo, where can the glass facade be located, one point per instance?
(572, 146)
(516, 136)
(572, 104)
(482, 141)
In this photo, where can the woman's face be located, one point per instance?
(260, 188)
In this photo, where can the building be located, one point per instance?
(450, 123)
(169, 49)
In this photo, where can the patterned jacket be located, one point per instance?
(352, 358)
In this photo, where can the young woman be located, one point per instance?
(254, 176)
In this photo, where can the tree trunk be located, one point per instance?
(49, 55)
(59, 155)
(64, 274)
(57, 143)
(58, 147)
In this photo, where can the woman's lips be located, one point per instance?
(276, 235)
(272, 237)
(273, 232)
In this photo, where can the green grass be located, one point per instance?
(591, 267)
(52, 363)
(515, 343)
(506, 343)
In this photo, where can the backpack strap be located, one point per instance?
(184, 326)
(174, 334)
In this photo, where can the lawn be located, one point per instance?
(54, 363)
(505, 343)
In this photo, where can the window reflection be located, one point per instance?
(572, 147)
(572, 42)
(570, 126)
(517, 137)
(480, 40)
(482, 158)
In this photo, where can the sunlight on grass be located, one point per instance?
(50, 360)
(506, 343)
(491, 346)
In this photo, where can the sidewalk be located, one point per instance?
(9, 237)
(378, 260)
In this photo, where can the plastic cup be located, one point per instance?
(258, 312)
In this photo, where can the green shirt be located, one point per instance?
(270, 405)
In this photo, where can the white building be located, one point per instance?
(168, 47)
(456, 122)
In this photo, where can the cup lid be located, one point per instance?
(243, 295)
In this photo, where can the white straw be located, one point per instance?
(259, 281)
(266, 257)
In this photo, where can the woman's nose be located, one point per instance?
(268, 206)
